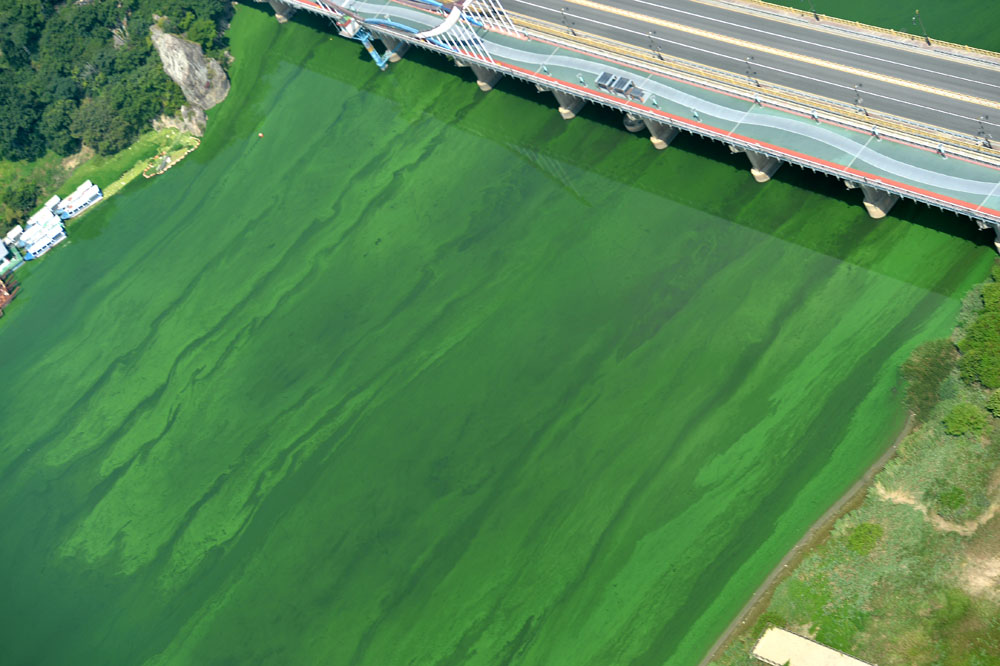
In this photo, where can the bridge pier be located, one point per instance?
(660, 134)
(878, 203)
(485, 78)
(762, 166)
(282, 11)
(568, 104)
(633, 123)
(396, 48)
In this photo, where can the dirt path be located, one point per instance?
(968, 528)
(814, 535)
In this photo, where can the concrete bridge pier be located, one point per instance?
(762, 166)
(282, 12)
(633, 123)
(660, 134)
(485, 78)
(878, 203)
(568, 104)
(396, 47)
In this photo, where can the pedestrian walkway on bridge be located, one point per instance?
(886, 157)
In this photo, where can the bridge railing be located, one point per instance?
(726, 137)
(857, 26)
(926, 136)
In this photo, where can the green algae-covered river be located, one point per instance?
(429, 377)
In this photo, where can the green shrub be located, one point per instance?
(994, 403)
(863, 538)
(980, 347)
(954, 606)
(991, 297)
(946, 499)
(766, 620)
(925, 369)
(965, 419)
(952, 499)
(995, 271)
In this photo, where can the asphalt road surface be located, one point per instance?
(907, 80)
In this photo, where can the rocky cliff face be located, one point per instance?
(200, 78)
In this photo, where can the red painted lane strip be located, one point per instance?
(665, 75)
(691, 123)
(748, 99)
(783, 151)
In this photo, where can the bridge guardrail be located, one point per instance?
(843, 173)
(779, 96)
(859, 26)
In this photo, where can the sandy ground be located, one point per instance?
(819, 530)
(981, 576)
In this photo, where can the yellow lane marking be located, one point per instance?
(809, 60)
(803, 103)
(788, 14)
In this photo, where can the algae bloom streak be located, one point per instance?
(428, 377)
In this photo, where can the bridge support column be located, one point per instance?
(396, 48)
(878, 202)
(485, 78)
(282, 12)
(633, 123)
(568, 104)
(762, 166)
(660, 134)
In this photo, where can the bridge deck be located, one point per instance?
(800, 130)
(911, 81)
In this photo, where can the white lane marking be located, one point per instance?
(860, 150)
(867, 93)
(814, 44)
(780, 53)
(987, 197)
(742, 118)
(895, 168)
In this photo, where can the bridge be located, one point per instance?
(891, 114)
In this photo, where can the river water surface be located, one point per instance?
(428, 376)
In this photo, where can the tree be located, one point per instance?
(22, 198)
(19, 139)
(980, 349)
(21, 22)
(55, 127)
(202, 31)
(97, 124)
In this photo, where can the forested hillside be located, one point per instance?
(86, 72)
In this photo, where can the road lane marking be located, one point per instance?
(972, 120)
(888, 37)
(780, 53)
(828, 47)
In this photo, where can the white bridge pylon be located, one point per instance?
(457, 31)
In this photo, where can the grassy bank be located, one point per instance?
(912, 575)
(55, 175)
(115, 171)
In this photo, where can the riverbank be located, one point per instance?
(60, 176)
(817, 533)
(631, 362)
(904, 569)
